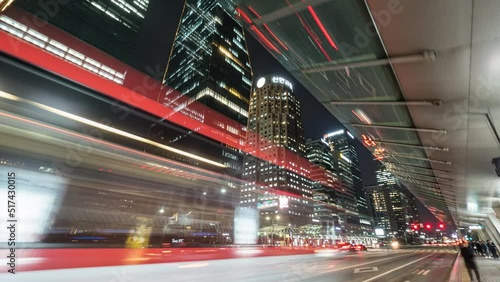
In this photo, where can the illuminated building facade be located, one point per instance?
(343, 141)
(209, 61)
(326, 185)
(358, 216)
(276, 136)
(110, 25)
(390, 204)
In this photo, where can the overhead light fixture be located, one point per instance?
(412, 145)
(412, 175)
(288, 11)
(4, 4)
(400, 128)
(424, 181)
(420, 174)
(427, 56)
(435, 103)
(420, 158)
(415, 166)
(361, 116)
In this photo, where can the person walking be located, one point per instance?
(493, 249)
(479, 248)
(486, 251)
(470, 262)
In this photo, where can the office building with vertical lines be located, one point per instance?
(209, 60)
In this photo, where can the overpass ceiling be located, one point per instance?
(339, 49)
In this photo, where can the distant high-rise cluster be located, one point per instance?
(350, 194)
(394, 208)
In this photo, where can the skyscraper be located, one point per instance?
(276, 137)
(343, 141)
(209, 61)
(327, 187)
(389, 202)
(112, 26)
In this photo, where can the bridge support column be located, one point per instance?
(492, 225)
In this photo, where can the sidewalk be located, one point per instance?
(489, 269)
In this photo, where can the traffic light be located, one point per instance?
(428, 226)
(441, 226)
(414, 226)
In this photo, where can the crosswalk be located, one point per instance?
(420, 271)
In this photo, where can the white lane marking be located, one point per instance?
(427, 271)
(361, 264)
(420, 272)
(415, 271)
(193, 265)
(397, 268)
(365, 269)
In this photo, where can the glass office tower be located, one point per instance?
(110, 25)
(209, 60)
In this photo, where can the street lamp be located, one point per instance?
(272, 228)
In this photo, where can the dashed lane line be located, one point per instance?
(361, 264)
(397, 268)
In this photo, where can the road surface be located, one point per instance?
(415, 265)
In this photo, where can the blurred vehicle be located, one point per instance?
(395, 244)
(360, 247)
(340, 250)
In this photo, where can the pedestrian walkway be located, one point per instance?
(489, 269)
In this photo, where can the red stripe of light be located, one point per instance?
(264, 39)
(267, 28)
(254, 12)
(320, 24)
(315, 38)
(244, 15)
(274, 36)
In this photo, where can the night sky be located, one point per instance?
(153, 48)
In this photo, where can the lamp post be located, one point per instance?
(272, 228)
(161, 211)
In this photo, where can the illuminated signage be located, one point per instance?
(368, 141)
(334, 133)
(283, 203)
(267, 204)
(246, 225)
(261, 82)
(379, 232)
(379, 153)
(350, 135)
(281, 80)
(475, 227)
(364, 221)
(230, 155)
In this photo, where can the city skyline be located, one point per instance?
(312, 130)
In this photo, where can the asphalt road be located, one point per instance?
(418, 265)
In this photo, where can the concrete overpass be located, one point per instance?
(417, 80)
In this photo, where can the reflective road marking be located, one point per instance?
(397, 268)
